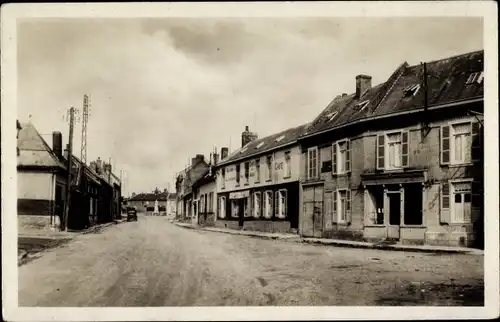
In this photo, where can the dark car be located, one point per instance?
(131, 214)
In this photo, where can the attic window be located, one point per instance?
(362, 105)
(242, 151)
(411, 90)
(259, 145)
(475, 78)
(280, 138)
(332, 115)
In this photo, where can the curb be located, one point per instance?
(330, 242)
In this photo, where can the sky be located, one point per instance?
(163, 90)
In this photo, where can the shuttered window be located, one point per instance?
(445, 144)
(380, 146)
(477, 135)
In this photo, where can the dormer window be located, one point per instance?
(331, 116)
(259, 145)
(411, 90)
(244, 150)
(362, 105)
(475, 78)
(280, 138)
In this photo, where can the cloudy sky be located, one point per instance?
(163, 90)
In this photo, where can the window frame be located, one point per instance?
(336, 159)
(348, 205)
(281, 213)
(266, 205)
(269, 164)
(259, 214)
(287, 173)
(246, 166)
(257, 170)
(315, 175)
(223, 178)
(402, 155)
(452, 136)
(238, 174)
(222, 201)
(451, 191)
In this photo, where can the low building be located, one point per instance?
(41, 180)
(205, 190)
(145, 202)
(402, 160)
(258, 184)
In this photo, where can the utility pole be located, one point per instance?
(64, 223)
(85, 119)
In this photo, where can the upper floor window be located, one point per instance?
(269, 167)
(460, 143)
(237, 174)
(257, 170)
(288, 165)
(475, 78)
(211, 202)
(312, 163)
(341, 157)
(223, 177)
(392, 150)
(247, 171)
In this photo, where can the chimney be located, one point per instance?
(216, 158)
(57, 143)
(107, 167)
(223, 153)
(247, 136)
(93, 166)
(363, 83)
(344, 94)
(66, 152)
(99, 165)
(200, 157)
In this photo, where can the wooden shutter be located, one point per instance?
(334, 158)
(348, 206)
(445, 203)
(476, 142)
(328, 206)
(334, 210)
(380, 151)
(285, 204)
(277, 204)
(348, 156)
(445, 144)
(404, 149)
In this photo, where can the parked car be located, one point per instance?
(132, 213)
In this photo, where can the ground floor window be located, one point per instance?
(268, 204)
(222, 207)
(343, 205)
(413, 211)
(246, 207)
(256, 204)
(280, 203)
(461, 202)
(235, 208)
(374, 205)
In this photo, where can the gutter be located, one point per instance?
(385, 116)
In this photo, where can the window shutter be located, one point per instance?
(285, 204)
(405, 149)
(445, 203)
(445, 144)
(277, 204)
(348, 206)
(334, 158)
(348, 156)
(380, 151)
(476, 195)
(476, 142)
(334, 211)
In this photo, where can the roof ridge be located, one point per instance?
(448, 58)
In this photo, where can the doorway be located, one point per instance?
(394, 203)
(312, 217)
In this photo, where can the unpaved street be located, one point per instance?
(154, 263)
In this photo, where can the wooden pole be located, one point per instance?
(64, 222)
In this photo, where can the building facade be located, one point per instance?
(145, 202)
(400, 161)
(258, 185)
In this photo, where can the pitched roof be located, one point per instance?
(446, 83)
(265, 144)
(162, 196)
(34, 151)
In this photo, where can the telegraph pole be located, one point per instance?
(85, 119)
(64, 222)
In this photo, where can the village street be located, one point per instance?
(153, 262)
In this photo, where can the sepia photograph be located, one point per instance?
(321, 160)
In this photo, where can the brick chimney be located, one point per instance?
(99, 165)
(216, 158)
(93, 166)
(66, 152)
(57, 144)
(363, 83)
(247, 136)
(224, 153)
(197, 158)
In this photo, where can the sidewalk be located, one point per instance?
(338, 242)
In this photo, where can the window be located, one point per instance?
(362, 105)
(243, 150)
(269, 167)
(288, 164)
(268, 204)
(374, 205)
(202, 202)
(280, 203)
(246, 207)
(392, 150)
(257, 170)
(461, 202)
(256, 204)
(222, 207)
(341, 157)
(413, 214)
(223, 179)
(247, 171)
(343, 206)
(259, 145)
(312, 163)
(280, 138)
(411, 90)
(331, 116)
(461, 143)
(235, 208)
(237, 174)
(211, 202)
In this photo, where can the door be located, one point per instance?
(394, 199)
(312, 212)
